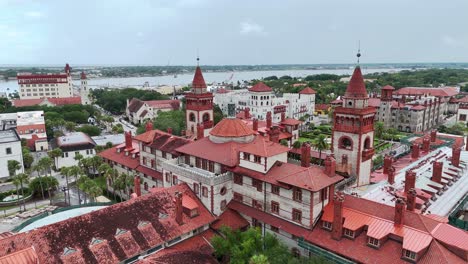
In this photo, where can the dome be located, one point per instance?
(231, 129)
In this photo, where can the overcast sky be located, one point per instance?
(159, 32)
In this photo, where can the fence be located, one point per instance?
(318, 251)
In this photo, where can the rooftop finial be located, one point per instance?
(358, 55)
(198, 59)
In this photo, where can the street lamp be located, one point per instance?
(64, 190)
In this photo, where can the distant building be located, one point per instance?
(47, 101)
(113, 139)
(84, 90)
(29, 125)
(72, 144)
(137, 110)
(462, 110)
(10, 149)
(261, 99)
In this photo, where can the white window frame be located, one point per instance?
(373, 242)
(327, 225)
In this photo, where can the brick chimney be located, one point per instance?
(411, 197)
(437, 167)
(255, 124)
(128, 140)
(410, 180)
(178, 208)
(415, 150)
(391, 175)
(330, 165)
(456, 151)
(169, 130)
(399, 211)
(148, 126)
(337, 230)
(305, 154)
(200, 131)
(137, 185)
(388, 162)
(268, 119)
(433, 135)
(274, 134)
(427, 144)
(283, 116)
(247, 113)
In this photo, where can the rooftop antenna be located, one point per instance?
(358, 55)
(198, 59)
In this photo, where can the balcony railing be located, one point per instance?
(367, 154)
(194, 173)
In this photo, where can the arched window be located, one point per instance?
(192, 117)
(223, 205)
(206, 117)
(345, 143)
(367, 143)
(145, 186)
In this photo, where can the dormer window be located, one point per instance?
(246, 156)
(327, 225)
(374, 242)
(257, 159)
(349, 233)
(409, 254)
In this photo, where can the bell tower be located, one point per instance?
(199, 106)
(353, 131)
(84, 92)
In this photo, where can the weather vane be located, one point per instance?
(198, 58)
(358, 55)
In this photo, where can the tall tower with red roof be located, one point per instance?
(84, 91)
(199, 106)
(353, 131)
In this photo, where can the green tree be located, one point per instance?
(39, 169)
(379, 129)
(320, 143)
(90, 130)
(65, 171)
(13, 167)
(259, 259)
(284, 142)
(297, 144)
(28, 159)
(21, 179)
(55, 154)
(76, 172)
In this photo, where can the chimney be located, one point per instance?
(268, 119)
(255, 124)
(200, 131)
(456, 151)
(391, 175)
(427, 143)
(330, 165)
(274, 134)
(337, 230)
(433, 135)
(411, 197)
(305, 155)
(247, 113)
(437, 171)
(137, 185)
(128, 140)
(410, 180)
(148, 126)
(178, 208)
(399, 211)
(169, 130)
(415, 150)
(388, 161)
(283, 116)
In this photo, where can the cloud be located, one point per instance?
(251, 28)
(140, 34)
(34, 14)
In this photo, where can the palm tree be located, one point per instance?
(17, 183)
(111, 174)
(85, 183)
(379, 129)
(55, 154)
(66, 172)
(38, 168)
(22, 179)
(95, 161)
(320, 143)
(13, 167)
(75, 171)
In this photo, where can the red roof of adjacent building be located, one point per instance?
(169, 143)
(231, 127)
(120, 157)
(224, 153)
(374, 102)
(222, 91)
(231, 219)
(53, 101)
(263, 147)
(322, 107)
(83, 75)
(198, 80)
(260, 87)
(25, 256)
(24, 78)
(356, 87)
(438, 92)
(111, 234)
(307, 90)
(164, 104)
(290, 122)
(150, 136)
(150, 172)
(388, 87)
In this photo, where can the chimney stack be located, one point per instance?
(200, 131)
(268, 119)
(283, 116)
(305, 155)
(415, 150)
(427, 143)
(410, 180)
(330, 165)
(169, 130)
(255, 124)
(456, 151)
(391, 175)
(399, 211)
(437, 171)
(411, 197)
(433, 135)
(274, 134)
(337, 230)
(137, 185)
(247, 113)
(178, 208)
(148, 126)
(388, 162)
(128, 140)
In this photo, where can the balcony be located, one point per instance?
(199, 175)
(367, 154)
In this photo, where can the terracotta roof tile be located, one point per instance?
(260, 87)
(291, 122)
(198, 80)
(231, 127)
(230, 218)
(438, 92)
(356, 87)
(307, 90)
(54, 101)
(120, 157)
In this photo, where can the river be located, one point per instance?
(210, 77)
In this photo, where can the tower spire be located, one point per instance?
(358, 55)
(198, 59)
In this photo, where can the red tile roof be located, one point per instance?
(374, 102)
(231, 127)
(150, 172)
(134, 105)
(224, 153)
(143, 114)
(164, 104)
(120, 158)
(230, 218)
(168, 143)
(24, 256)
(291, 122)
(198, 80)
(53, 101)
(438, 92)
(222, 91)
(264, 148)
(322, 107)
(388, 87)
(307, 90)
(356, 87)
(114, 233)
(260, 87)
(150, 136)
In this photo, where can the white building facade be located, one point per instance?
(71, 145)
(10, 149)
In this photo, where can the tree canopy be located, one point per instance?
(115, 100)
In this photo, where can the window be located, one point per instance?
(373, 242)
(174, 180)
(274, 229)
(144, 161)
(257, 159)
(324, 194)
(275, 189)
(327, 225)
(164, 155)
(238, 179)
(238, 197)
(349, 233)
(346, 143)
(462, 118)
(204, 164)
(296, 215)
(410, 255)
(65, 155)
(256, 204)
(196, 188)
(205, 191)
(198, 162)
(274, 207)
(187, 160)
(168, 177)
(246, 156)
(223, 205)
(152, 163)
(145, 186)
(8, 151)
(257, 184)
(223, 191)
(297, 195)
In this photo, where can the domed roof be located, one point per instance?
(260, 87)
(307, 90)
(232, 128)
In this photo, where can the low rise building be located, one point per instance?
(462, 110)
(72, 144)
(10, 149)
(138, 111)
(47, 101)
(29, 125)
